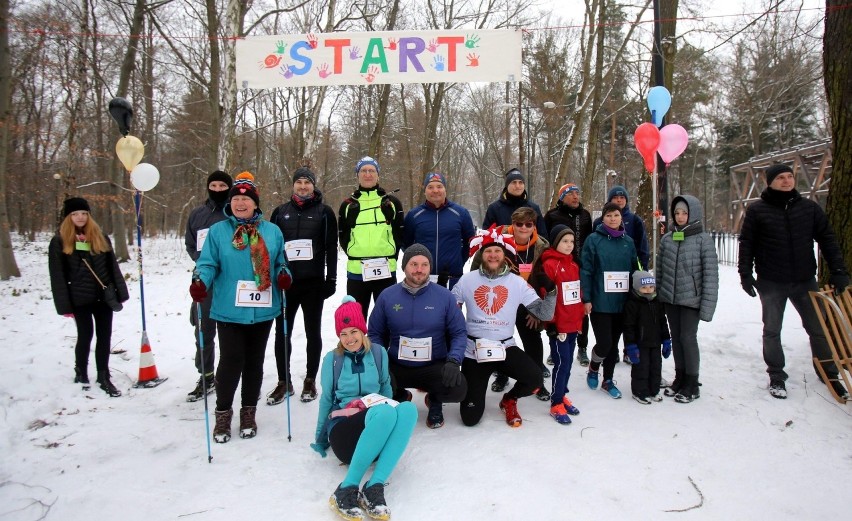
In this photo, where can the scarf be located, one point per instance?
(247, 234)
(614, 233)
(300, 201)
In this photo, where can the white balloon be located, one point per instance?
(144, 176)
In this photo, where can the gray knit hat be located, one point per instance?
(414, 250)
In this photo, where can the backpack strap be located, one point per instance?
(337, 368)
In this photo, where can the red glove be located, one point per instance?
(284, 281)
(198, 291)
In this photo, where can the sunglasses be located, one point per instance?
(523, 225)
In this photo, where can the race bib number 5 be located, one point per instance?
(489, 351)
(248, 296)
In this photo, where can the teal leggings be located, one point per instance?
(386, 433)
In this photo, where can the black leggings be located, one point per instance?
(608, 328)
(102, 315)
(345, 435)
(311, 301)
(530, 338)
(242, 348)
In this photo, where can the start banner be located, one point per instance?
(460, 56)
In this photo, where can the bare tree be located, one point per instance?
(8, 266)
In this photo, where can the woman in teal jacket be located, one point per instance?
(608, 258)
(242, 256)
(357, 418)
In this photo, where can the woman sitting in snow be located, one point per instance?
(357, 418)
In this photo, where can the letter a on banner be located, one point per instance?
(322, 59)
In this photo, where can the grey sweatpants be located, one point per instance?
(683, 325)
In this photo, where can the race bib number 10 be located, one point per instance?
(248, 296)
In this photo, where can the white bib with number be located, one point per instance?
(489, 350)
(248, 296)
(415, 349)
(375, 269)
(571, 292)
(616, 281)
(200, 237)
(376, 398)
(299, 250)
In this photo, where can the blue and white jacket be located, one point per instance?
(445, 232)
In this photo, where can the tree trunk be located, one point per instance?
(8, 266)
(595, 120)
(837, 64)
(214, 96)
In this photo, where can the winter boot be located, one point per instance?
(689, 389)
(509, 406)
(81, 376)
(675, 386)
(105, 384)
(222, 430)
(777, 389)
(373, 501)
(309, 390)
(248, 425)
(542, 394)
(435, 417)
(344, 501)
(282, 390)
(207, 382)
(545, 372)
(500, 383)
(841, 391)
(582, 357)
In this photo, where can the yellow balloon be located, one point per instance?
(129, 150)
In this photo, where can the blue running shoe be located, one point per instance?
(592, 380)
(609, 387)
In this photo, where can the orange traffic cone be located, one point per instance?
(148, 376)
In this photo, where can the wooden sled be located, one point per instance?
(835, 316)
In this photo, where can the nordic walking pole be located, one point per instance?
(203, 379)
(287, 360)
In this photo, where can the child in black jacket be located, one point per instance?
(645, 329)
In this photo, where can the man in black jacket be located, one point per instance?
(570, 212)
(199, 221)
(310, 243)
(777, 240)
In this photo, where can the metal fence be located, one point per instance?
(727, 247)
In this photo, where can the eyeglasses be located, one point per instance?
(523, 225)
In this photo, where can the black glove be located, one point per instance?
(388, 210)
(329, 287)
(451, 374)
(747, 282)
(839, 279)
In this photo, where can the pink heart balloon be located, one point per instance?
(673, 141)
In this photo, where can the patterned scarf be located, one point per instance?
(247, 234)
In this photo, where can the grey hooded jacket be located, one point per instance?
(688, 270)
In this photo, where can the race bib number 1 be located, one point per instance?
(489, 350)
(248, 296)
(415, 349)
(571, 292)
(616, 281)
(375, 269)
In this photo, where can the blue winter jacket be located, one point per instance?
(634, 226)
(445, 232)
(431, 312)
(221, 265)
(602, 253)
(358, 377)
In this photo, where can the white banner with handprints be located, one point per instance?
(462, 56)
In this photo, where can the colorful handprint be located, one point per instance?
(439, 63)
(312, 40)
(323, 71)
(472, 41)
(391, 44)
(473, 60)
(354, 53)
(285, 71)
(433, 45)
(280, 47)
(371, 73)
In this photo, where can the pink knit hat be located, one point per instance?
(349, 314)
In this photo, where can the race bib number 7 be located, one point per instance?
(248, 296)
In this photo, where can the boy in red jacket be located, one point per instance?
(556, 267)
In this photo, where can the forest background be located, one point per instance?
(774, 75)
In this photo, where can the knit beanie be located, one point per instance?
(681, 205)
(244, 185)
(616, 191)
(513, 175)
(644, 278)
(434, 176)
(414, 250)
(218, 175)
(74, 204)
(610, 207)
(559, 231)
(304, 173)
(366, 160)
(570, 187)
(773, 171)
(349, 314)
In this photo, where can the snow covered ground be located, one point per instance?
(736, 453)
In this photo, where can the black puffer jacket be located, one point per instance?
(315, 221)
(778, 234)
(73, 284)
(578, 219)
(645, 322)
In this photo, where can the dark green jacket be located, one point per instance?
(602, 253)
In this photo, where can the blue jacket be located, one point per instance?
(445, 232)
(634, 226)
(221, 265)
(601, 253)
(358, 377)
(431, 312)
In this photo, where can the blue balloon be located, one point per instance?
(659, 101)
